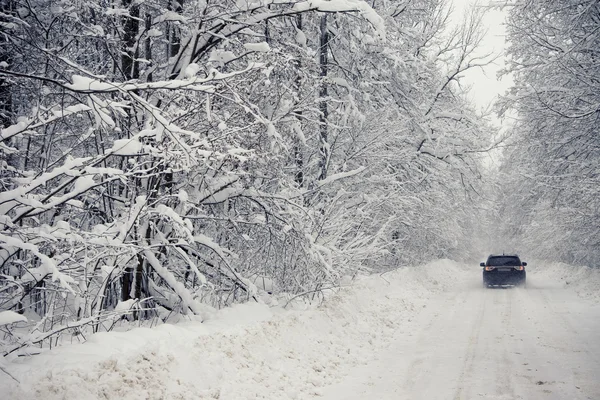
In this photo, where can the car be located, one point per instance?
(503, 270)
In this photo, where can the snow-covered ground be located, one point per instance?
(429, 332)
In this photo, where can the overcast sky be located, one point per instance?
(484, 82)
(486, 86)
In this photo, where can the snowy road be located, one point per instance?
(542, 342)
(428, 332)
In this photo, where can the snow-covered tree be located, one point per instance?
(551, 176)
(163, 158)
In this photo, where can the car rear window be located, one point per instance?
(503, 260)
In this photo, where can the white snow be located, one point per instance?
(154, 33)
(169, 16)
(300, 38)
(191, 70)
(244, 352)
(297, 128)
(126, 147)
(10, 317)
(83, 183)
(262, 47)
(476, 343)
(585, 281)
(69, 167)
(47, 264)
(24, 124)
(222, 56)
(125, 306)
(116, 11)
(179, 288)
(340, 175)
(346, 5)
(341, 82)
(13, 129)
(384, 337)
(107, 270)
(272, 131)
(86, 84)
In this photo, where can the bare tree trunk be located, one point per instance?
(298, 153)
(148, 45)
(130, 68)
(323, 93)
(129, 50)
(174, 46)
(6, 7)
(174, 36)
(126, 282)
(267, 33)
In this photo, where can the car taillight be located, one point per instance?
(520, 268)
(490, 268)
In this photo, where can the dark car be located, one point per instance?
(501, 270)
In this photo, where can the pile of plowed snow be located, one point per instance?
(253, 351)
(583, 280)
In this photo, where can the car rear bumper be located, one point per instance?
(497, 277)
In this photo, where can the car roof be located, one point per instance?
(503, 255)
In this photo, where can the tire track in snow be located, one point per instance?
(504, 383)
(468, 363)
(567, 340)
(418, 366)
(550, 358)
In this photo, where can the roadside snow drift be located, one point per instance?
(248, 351)
(585, 281)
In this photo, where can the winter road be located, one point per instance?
(542, 342)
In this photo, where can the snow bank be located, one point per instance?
(250, 351)
(585, 281)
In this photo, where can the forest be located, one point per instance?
(161, 159)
